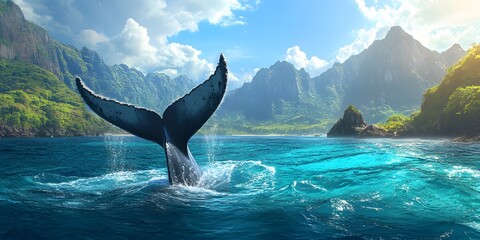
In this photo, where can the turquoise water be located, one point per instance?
(252, 188)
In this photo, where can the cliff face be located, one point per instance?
(389, 76)
(275, 91)
(392, 73)
(26, 42)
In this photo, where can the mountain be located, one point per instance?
(453, 106)
(24, 41)
(36, 103)
(390, 75)
(279, 92)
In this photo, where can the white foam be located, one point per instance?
(341, 205)
(108, 182)
(459, 171)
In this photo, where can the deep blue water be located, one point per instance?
(252, 188)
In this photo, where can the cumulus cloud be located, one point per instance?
(134, 48)
(179, 15)
(143, 41)
(90, 38)
(314, 66)
(436, 23)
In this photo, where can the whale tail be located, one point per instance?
(180, 121)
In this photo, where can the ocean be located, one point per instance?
(253, 187)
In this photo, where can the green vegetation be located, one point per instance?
(36, 103)
(3, 7)
(453, 105)
(396, 123)
(238, 125)
(463, 109)
(352, 108)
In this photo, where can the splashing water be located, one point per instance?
(117, 151)
(257, 188)
(211, 142)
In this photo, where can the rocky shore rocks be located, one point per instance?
(350, 125)
(374, 131)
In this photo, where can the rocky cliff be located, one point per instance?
(389, 76)
(280, 92)
(24, 41)
(351, 124)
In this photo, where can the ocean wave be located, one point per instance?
(100, 184)
(218, 177)
(460, 171)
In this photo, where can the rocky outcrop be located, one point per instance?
(469, 136)
(374, 131)
(350, 125)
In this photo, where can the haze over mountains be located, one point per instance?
(389, 76)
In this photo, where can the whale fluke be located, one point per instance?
(190, 112)
(181, 120)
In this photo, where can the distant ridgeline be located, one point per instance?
(388, 77)
(451, 108)
(27, 109)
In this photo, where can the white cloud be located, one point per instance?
(144, 42)
(90, 38)
(435, 23)
(364, 37)
(314, 66)
(134, 48)
(172, 17)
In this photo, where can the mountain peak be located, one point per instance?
(455, 47)
(453, 54)
(282, 64)
(396, 32)
(11, 8)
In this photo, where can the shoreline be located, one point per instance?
(455, 138)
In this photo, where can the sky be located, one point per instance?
(186, 37)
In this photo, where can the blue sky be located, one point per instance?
(186, 36)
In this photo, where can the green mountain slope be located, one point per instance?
(388, 77)
(454, 105)
(280, 94)
(35, 103)
(24, 41)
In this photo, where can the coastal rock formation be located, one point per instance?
(374, 131)
(469, 136)
(351, 124)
